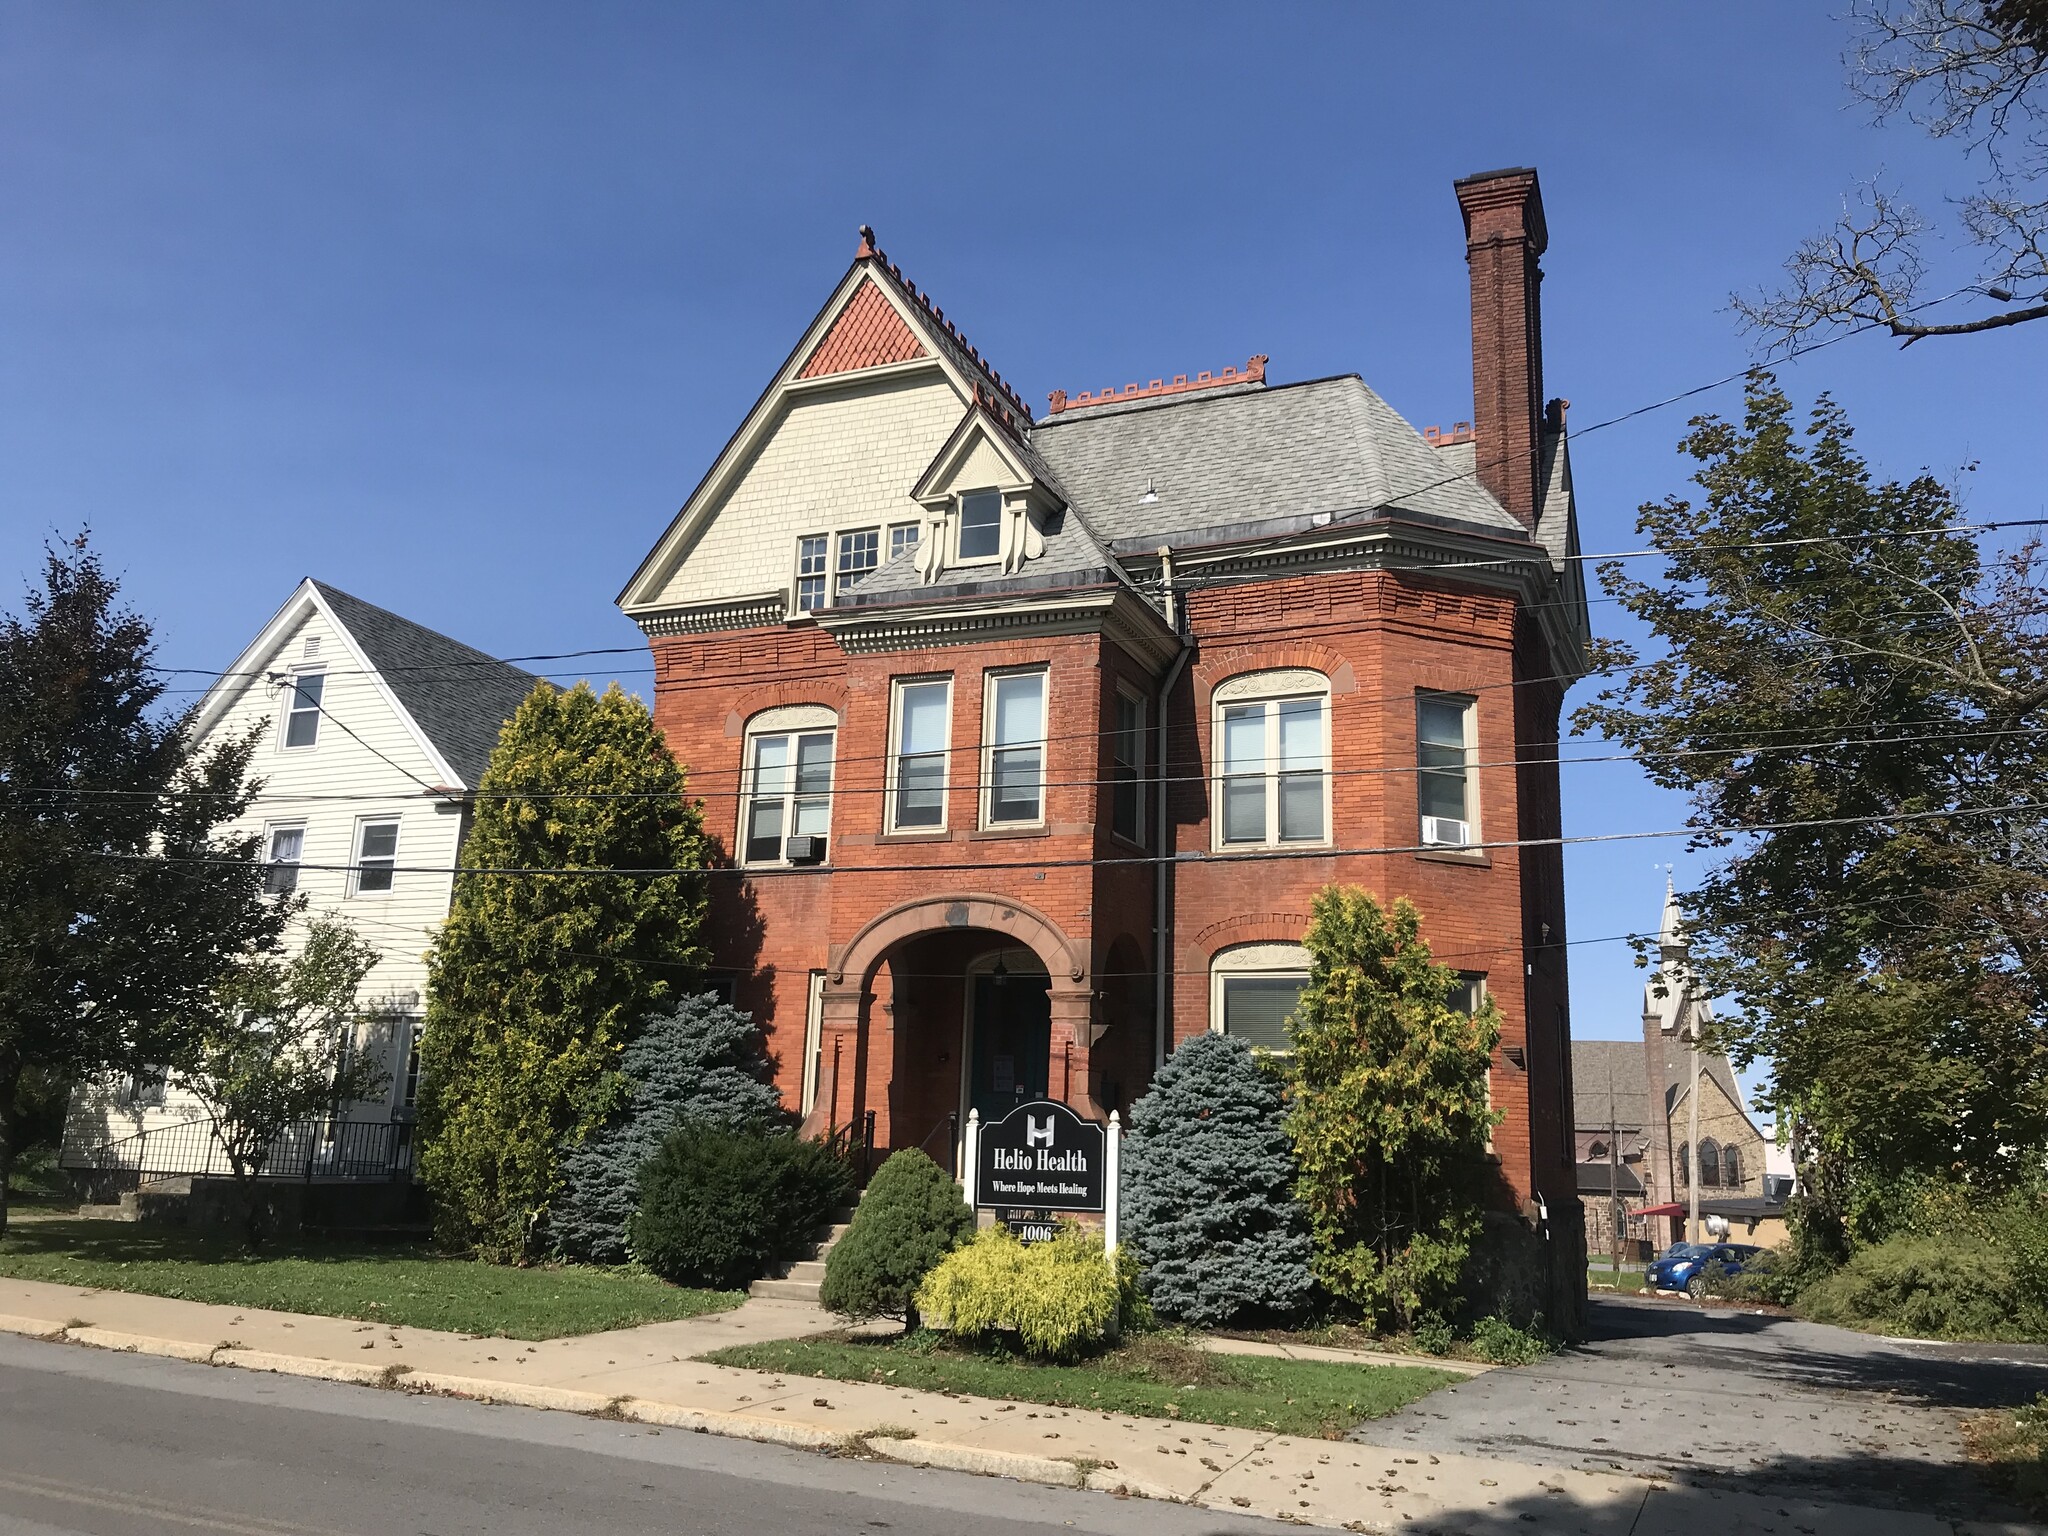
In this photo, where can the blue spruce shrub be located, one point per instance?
(701, 1064)
(1207, 1190)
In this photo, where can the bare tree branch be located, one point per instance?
(1966, 69)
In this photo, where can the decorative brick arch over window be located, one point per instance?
(754, 701)
(1308, 655)
(1065, 962)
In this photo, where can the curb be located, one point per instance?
(306, 1365)
(32, 1327)
(143, 1344)
(520, 1394)
(737, 1426)
(950, 1457)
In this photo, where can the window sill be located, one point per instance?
(1477, 857)
(998, 834)
(1128, 842)
(931, 835)
(1304, 850)
(822, 867)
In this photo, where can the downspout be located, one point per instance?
(1162, 929)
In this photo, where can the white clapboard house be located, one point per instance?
(374, 732)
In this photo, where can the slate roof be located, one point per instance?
(1222, 459)
(1596, 1179)
(1592, 1061)
(457, 695)
(1073, 557)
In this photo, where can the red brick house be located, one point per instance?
(1030, 739)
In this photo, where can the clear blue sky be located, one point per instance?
(451, 305)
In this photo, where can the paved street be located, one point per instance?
(123, 1445)
(1743, 1402)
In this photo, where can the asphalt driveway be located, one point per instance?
(1749, 1402)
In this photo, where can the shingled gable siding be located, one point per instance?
(844, 457)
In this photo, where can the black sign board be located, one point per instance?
(1029, 1226)
(1040, 1157)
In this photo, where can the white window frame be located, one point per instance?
(959, 527)
(822, 574)
(890, 822)
(355, 870)
(794, 721)
(289, 697)
(1121, 696)
(1476, 980)
(1253, 962)
(991, 680)
(814, 1037)
(1273, 688)
(898, 543)
(271, 831)
(840, 583)
(1468, 708)
(406, 1090)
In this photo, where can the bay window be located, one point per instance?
(1272, 750)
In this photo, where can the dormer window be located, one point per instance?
(981, 525)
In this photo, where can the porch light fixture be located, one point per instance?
(1001, 973)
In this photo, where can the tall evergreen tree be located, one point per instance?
(1388, 1109)
(119, 906)
(1854, 705)
(1208, 1189)
(582, 918)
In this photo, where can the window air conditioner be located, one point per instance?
(804, 850)
(1445, 832)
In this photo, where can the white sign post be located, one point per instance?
(1111, 1157)
(973, 1151)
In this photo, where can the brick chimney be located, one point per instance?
(1504, 236)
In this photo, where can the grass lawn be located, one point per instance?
(411, 1286)
(2011, 1445)
(1152, 1375)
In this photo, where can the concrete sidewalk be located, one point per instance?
(645, 1374)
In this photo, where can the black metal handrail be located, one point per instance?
(347, 1150)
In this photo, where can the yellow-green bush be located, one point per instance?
(1059, 1298)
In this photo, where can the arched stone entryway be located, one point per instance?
(907, 1001)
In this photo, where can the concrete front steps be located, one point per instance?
(800, 1281)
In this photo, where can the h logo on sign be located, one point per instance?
(1035, 1134)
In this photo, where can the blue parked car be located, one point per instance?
(1687, 1266)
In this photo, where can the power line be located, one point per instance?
(1749, 750)
(1191, 857)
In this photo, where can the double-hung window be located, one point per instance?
(789, 795)
(285, 846)
(1273, 761)
(1015, 768)
(1255, 990)
(376, 856)
(917, 760)
(1443, 762)
(812, 551)
(1127, 768)
(1468, 993)
(302, 709)
(980, 535)
(859, 553)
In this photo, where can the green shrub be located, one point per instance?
(1207, 1193)
(721, 1207)
(701, 1063)
(1388, 1110)
(1503, 1343)
(911, 1217)
(1059, 1299)
(1433, 1336)
(1942, 1288)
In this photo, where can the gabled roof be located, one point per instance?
(458, 696)
(1180, 465)
(451, 697)
(1594, 1064)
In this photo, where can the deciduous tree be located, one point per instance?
(120, 906)
(1854, 706)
